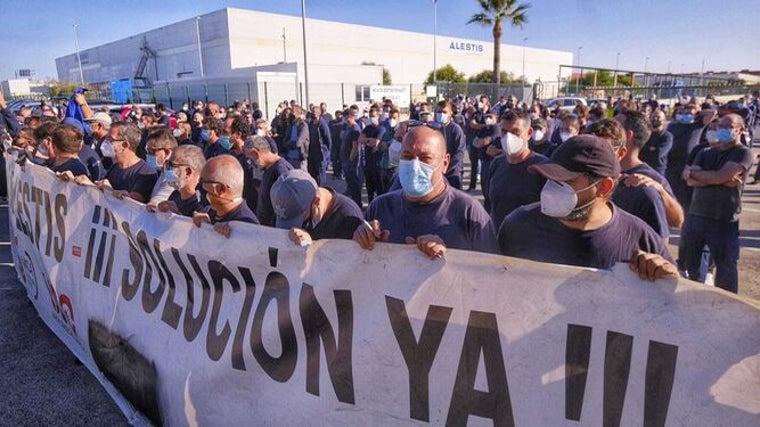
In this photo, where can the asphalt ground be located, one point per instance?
(41, 384)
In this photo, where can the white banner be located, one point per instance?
(193, 328)
(400, 95)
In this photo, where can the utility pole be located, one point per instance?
(198, 39)
(79, 58)
(305, 61)
(435, 40)
(284, 48)
(525, 79)
(578, 77)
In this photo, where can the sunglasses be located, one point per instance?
(416, 123)
(171, 165)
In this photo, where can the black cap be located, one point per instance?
(580, 155)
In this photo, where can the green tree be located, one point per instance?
(387, 77)
(492, 13)
(62, 88)
(447, 73)
(505, 78)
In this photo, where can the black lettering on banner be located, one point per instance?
(316, 327)
(172, 311)
(150, 300)
(280, 368)
(91, 242)
(660, 372)
(129, 289)
(36, 196)
(617, 367)
(192, 324)
(100, 256)
(577, 354)
(109, 262)
(273, 256)
(25, 203)
(418, 354)
(61, 209)
(48, 221)
(482, 335)
(216, 343)
(238, 362)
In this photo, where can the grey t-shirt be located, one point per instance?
(718, 201)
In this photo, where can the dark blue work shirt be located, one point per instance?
(453, 216)
(138, 178)
(720, 202)
(339, 222)
(186, 207)
(75, 166)
(655, 152)
(644, 203)
(512, 186)
(92, 161)
(648, 171)
(264, 208)
(213, 150)
(456, 145)
(527, 233)
(241, 213)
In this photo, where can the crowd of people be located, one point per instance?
(592, 187)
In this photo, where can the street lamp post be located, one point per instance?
(79, 58)
(305, 61)
(617, 65)
(523, 62)
(646, 75)
(284, 48)
(435, 40)
(578, 78)
(198, 40)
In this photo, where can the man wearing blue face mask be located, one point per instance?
(575, 223)
(427, 211)
(211, 135)
(456, 143)
(718, 176)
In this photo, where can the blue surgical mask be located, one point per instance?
(152, 161)
(685, 118)
(441, 118)
(170, 175)
(724, 136)
(416, 177)
(224, 141)
(374, 121)
(205, 135)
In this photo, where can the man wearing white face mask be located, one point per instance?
(455, 143)
(576, 224)
(511, 185)
(182, 172)
(160, 145)
(718, 176)
(426, 211)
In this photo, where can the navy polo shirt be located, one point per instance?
(187, 206)
(264, 208)
(241, 213)
(139, 178)
(512, 186)
(339, 222)
(75, 166)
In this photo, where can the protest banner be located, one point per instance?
(186, 327)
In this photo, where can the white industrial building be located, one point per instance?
(231, 53)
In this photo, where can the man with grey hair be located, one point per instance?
(258, 149)
(222, 180)
(130, 176)
(182, 172)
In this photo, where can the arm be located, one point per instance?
(86, 110)
(673, 210)
(722, 176)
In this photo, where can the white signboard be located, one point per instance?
(399, 94)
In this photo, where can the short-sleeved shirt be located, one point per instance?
(139, 178)
(186, 207)
(453, 216)
(75, 166)
(264, 208)
(718, 201)
(372, 155)
(512, 186)
(648, 171)
(644, 203)
(527, 233)
(241, 213)
(546, 148)
(213, 150)
(92, 161)
(340, 221)
(655, 152)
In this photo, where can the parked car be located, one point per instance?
(565, 103)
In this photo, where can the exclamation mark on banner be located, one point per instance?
(273, 256)
(577, 352)
(617, 367)
(661, 370)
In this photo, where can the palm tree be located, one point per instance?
(492, 13)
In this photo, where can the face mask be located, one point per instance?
(375, 121)
(489, 122)
(141, 125)
(441, 118)
(685, 118)
(205, 135)
(512, 143)
(152, 162)
(416, 177)
(170, 175)
(394, 123)
(107, 149)
(366, 114)
(558, 199)
(177, 133)
(224, 141)
(538, 135)
(42, 151)
(385, 116)
(711, 136)
(480, 105)
(724, 135)
(564, 136)
(261, 132)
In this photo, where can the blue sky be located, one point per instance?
(724, 34)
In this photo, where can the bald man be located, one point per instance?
(427, 211)
(222, 180)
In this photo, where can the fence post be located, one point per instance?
(205, 92)
(300, 93)
(187, 95)
(169, 94)
(266, 101)
(226, 100)
(411, 97)
(249, 92)
(342, 95)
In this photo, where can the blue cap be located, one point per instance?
(292, 194)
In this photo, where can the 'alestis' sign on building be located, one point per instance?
(466, 47)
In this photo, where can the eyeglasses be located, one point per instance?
(153, 151)
(416, 123)
(171, 165)
(204, 182)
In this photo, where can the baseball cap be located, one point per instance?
(102, 118)
(579, 155)
(291, 195)
(70, 121)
